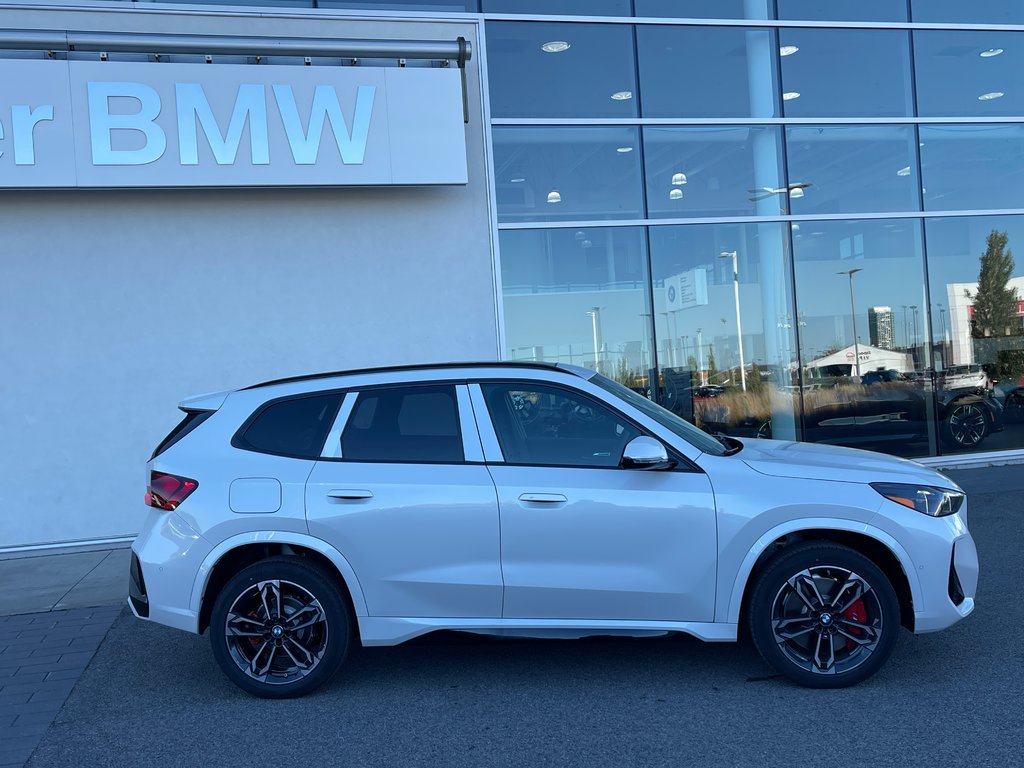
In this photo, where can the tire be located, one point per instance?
(276, 659)
(966, 425)
(824, 648)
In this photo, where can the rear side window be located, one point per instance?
(295, 427)
(192, 420)
(404, 424)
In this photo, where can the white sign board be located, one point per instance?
(687, 289)
(120, 124)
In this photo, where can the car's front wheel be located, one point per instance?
(824, 615)
(280, 628)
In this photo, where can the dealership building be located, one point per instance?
(742, 208)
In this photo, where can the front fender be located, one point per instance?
(817, 523)
(278, 537)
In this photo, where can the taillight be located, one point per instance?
(168, 491)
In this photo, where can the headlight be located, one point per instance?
(936, 502)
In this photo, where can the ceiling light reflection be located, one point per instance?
(555, 46)
(790, 95)
(990, 53)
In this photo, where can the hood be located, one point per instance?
(813, 461)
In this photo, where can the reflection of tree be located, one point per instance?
(712, 369)
(995, 303)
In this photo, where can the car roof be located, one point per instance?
(585, 373)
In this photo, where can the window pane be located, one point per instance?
(404, 424)
(843, 10)
(852, 169)
(977, 320)
(296, 427)
(972, 166)
(697, 317)
(578, 296)
(845, 72)
(551, 426)
(401, 5)
(969, 73)
(733, 171)
(559, 7)
(742, 62)
(550, 174)
(704, 9)
(975, 12)
(866, 389)
(561, 70)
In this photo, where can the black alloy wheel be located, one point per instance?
(280, 628)
(824, 615)
(966, 425)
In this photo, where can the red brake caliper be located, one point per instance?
(859, 613)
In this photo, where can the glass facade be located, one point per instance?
(802, 230)
(797, 232)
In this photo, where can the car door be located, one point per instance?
(581, 537)
(402, 493)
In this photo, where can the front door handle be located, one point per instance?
(543, 498)
(350, 494)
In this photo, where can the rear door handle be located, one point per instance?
(350, 494)
(543, 498)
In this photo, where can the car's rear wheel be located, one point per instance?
(965, 426)
(824, 615)
(280, 628)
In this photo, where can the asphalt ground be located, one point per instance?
(154, 696)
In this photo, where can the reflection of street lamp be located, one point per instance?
(700, 356)
(594, 313)
(906, 329)
(914, 307)
(853, 315)
(739, 326)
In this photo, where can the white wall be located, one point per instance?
(116, 305)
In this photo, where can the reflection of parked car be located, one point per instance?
(885, 409)
(961, 376)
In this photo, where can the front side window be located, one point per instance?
(550, 426)
(404, 424)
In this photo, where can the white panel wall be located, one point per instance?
(116, 305)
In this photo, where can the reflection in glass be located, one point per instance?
(565, 173)
(742, 60)
(974, 12)
(969, 73)
(868, 387)
(842, 10)
(704, 9)
(977, 320)
(559, 7)
(710, 283)
(852, 169)
(966, 167)
(714, 171)
(579, 296)
(561, 70)
(845, 72)
(389, 5)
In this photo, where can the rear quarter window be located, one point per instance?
(295, 427)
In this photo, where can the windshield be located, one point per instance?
(684, 429)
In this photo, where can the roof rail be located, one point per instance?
(419, 367)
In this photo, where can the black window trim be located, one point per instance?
(238, 439)
(402, 385)
(683, 464)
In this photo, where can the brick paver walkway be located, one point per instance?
(42, 656)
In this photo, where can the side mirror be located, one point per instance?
(645, 453)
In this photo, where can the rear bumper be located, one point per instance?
(165, 559)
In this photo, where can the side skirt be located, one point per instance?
(375, 630)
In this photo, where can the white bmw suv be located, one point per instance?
(292, 518)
